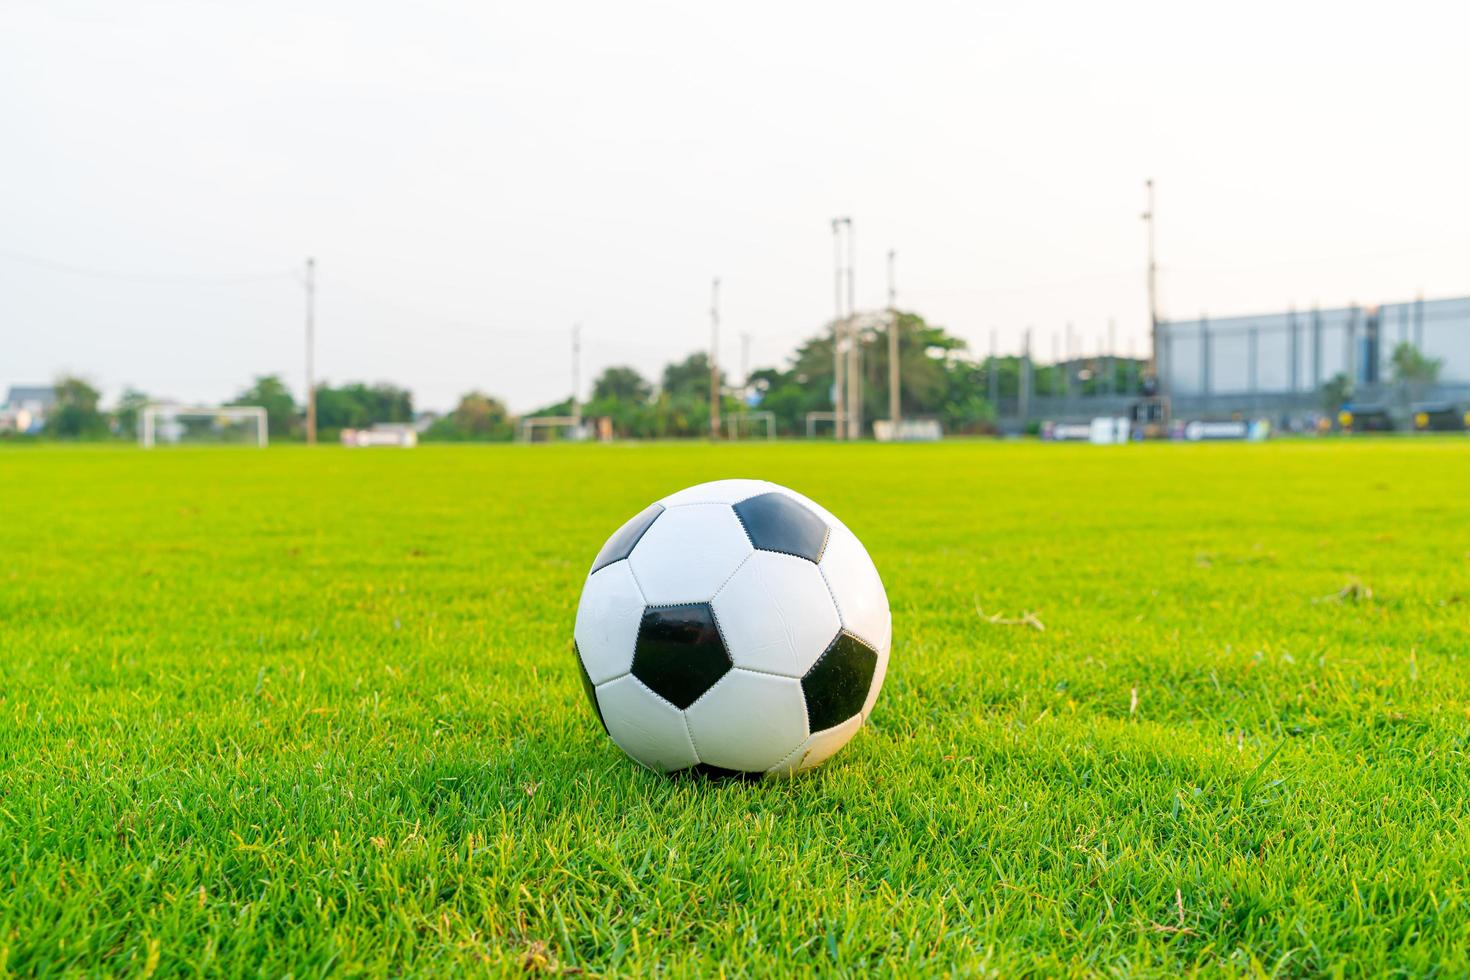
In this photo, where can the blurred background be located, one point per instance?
(1050, 212)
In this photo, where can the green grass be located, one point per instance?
(315, 712)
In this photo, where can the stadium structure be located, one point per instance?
(1280, 362)
(1288, 366)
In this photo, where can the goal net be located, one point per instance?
(544, 428)
(750, 424)
(169, 425)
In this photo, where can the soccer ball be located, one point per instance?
(735, 627)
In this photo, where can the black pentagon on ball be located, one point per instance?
(626, 538)
(680, 653)
(775, 522)
(587, 686)
(838, 683)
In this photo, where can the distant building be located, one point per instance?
(26, 407)
(1283, 360)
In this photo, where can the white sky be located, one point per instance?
(474, 178)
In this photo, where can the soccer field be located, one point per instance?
(302, 711)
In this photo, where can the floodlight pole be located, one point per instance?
(310, 352)
(893, 373)
(1067, 362)
(744, 367)
(854, 348)
(576, 375)
(1153, 289)
(1112, 357)
(992, 379)
(837, 330)
(1024, 390)
(714, 364)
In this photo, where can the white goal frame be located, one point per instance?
(148, 419)
(812, 418)
(732, 423)
(573, 422)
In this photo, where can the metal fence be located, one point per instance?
(1296, 353)
(1280, 363)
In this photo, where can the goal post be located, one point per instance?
(174, 424)
(550, 423)
(812, 418)
(733, 423)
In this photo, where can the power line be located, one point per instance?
(145, 277)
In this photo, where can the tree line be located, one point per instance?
(939, 379)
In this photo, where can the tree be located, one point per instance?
(622, 384)
(356, 405)
(935, 378)
(270, 393)
(129, 408)
(477, 418)
(1336, 392)
(1412, 366)
(689, 377)
(75, 414)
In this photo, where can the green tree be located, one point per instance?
(75, 414)
(356, 405)
(689, 378)
(622, 384)
(1336, 392)
(129, 407)
(477, 418)
(935, 378)
(1412, 366)
(270, 393)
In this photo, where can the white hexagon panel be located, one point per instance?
(688, 553)
(607, 622)
(644, 725)
(748, 722)
(817, 749)
(776, 614)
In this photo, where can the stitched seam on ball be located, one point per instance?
(706, 694)
(743, 526)
(619, 677)
(833, 593)
(724, 644)
(634, 576)
(692, 743)
(766, 673)
(728, 579)
(788, 757)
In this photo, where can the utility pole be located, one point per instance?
(893, 373)
(1153, 292)
(714, 359)
(991, 378)
(576, 375)
(744, 367)
(854, 347)
(1023, 406)
(311, 352)
(1071, 354)
(1112, 356)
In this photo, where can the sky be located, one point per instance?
(474, 179)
